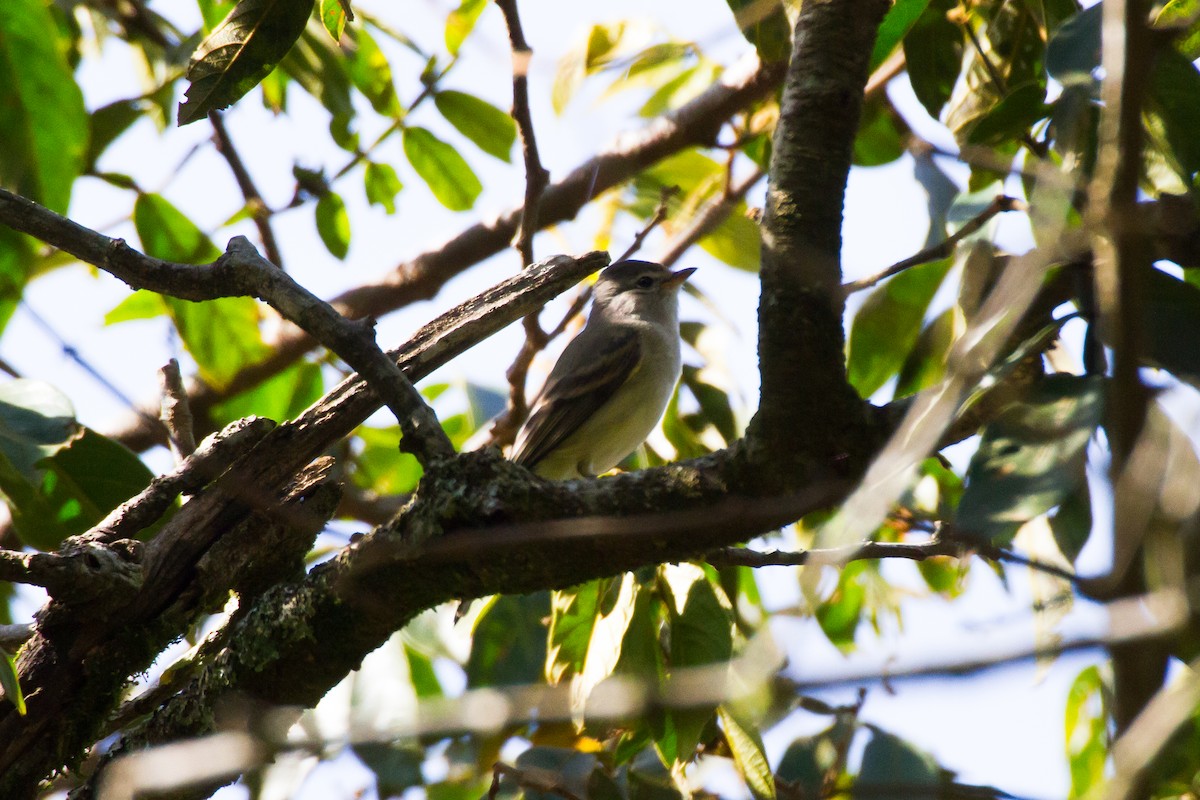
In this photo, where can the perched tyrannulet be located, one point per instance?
(613, 381)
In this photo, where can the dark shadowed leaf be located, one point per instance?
(933, 52)
(442, 168)
(1072, 522)
(242, 50)
(1030, 458)
(886, 327)
(509, 643)
(879, 139)
(1073, 52)
(320, 68)
(1172, 326)
(1012, 117)
(492, 130)
(1175, 98)
(43, 122)
(893, 769)
(396, 766)
(333, 224)
(926, 362)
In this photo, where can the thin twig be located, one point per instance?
(943, 249)
(176, 413)
(259, 211)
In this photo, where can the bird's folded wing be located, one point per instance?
(570, 398)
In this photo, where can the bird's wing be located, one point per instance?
(569, 399)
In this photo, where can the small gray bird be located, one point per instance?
(613, 381)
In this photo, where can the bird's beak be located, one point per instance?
(677, 278)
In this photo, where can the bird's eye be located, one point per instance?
(645, 282)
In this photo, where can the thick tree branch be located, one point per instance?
(695, 123)
(806, 405)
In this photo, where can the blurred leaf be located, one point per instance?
(925, 364)
(765, 26)
(1086, 732)
(281, 397)
(933, 51)
(492, 130)
(10, 682)
(1177, 12)
(333, 224)
(382, 185)
(898, 21)
(1175, 97)
(397, 767)
(888, 761)
(736, 240)
(573, 615)
(243, 49)
(1012, 117)
(168, 234)
(746, 745)
(839, 615)
(371, 74)
(596, 50)
(802, 768)
(887, 326)
(570, 770)
(36, 420)
(508, 646)
(461, 22)
(142, 304)
(320, 68)
(714, 403)
(879, 139)
(43, 122)
(420, 670)
(1029, 458)
(442, 168)
(942, 575)
(1172, 317)
(1073, 52)
(1072, 523)
(107, 123)
(333, 17)
(381, 467)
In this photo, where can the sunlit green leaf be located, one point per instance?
(371, 74)
(10, 682)
(242, 50)
(840, 614)
(382, 185)
(1086, 732)
(282, 396)
(573, 614)
(43, 122)
(736, 240)
(420, 670)
(1178, 12)
(333, 17)
(1030, 457)
(745, 743)
(886, 327)
(168, 234)
(380, 466)
(461, 22)
(898, 21)
(879, 139)
(333, 224)
(441, 167)
(492, 130)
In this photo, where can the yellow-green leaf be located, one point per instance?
(446, 173)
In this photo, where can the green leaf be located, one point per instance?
(898, 21)
(508, 647)
(43, 122)
(10, 682)
(840, 614)
(1073, 52)
(333, 17)
(926, 362)
(380, 466)
(765, 26)
(420, 671)
(573, 614)
(333, 224)
(602, 44)
(736, 241)
(1172, 326)
(746, 745)
(1175, 98)
(461, 22)
(167, 234)
(879, 139)
(1012, 117)
(492, 130)
(282, 396)
(1072, 523)
(886, 327)
(382, 185)
(1176, 12)
(243, 50)
(1086, 732)
(320, 68)
(141, 304)
(397, 767)
(571, 770)
(441, 167)
(107, 123)
(371, 74)
(893, 769)
(36, 420)
(221, 335)
(933, 51)
(1030, 458)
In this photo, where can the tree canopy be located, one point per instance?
(972, 409)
